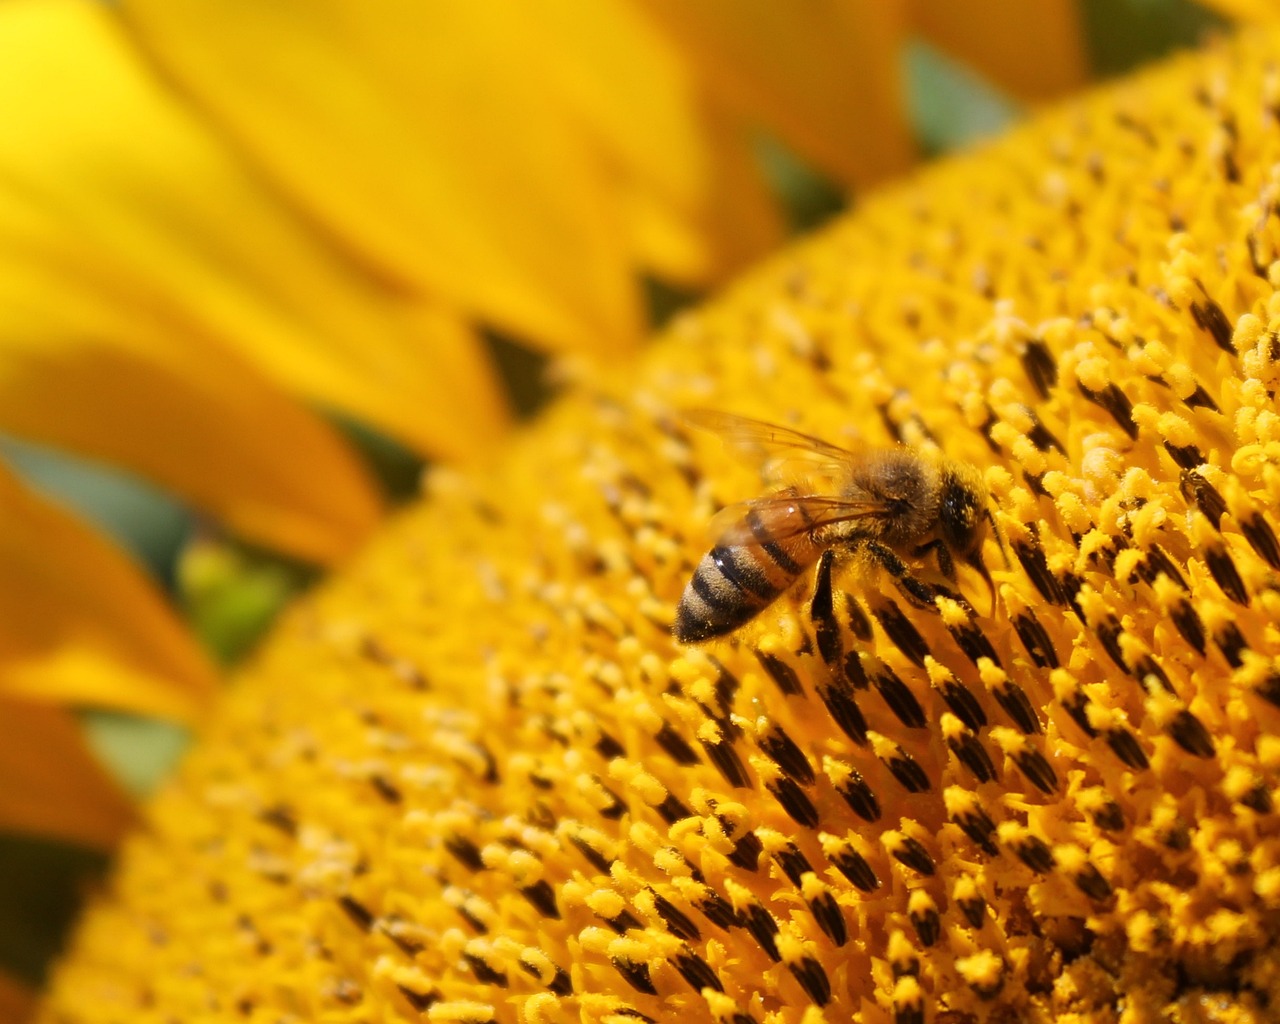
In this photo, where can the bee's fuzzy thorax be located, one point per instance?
(476, 778)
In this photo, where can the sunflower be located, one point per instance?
(356, 835)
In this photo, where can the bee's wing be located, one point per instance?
(778, 517)
(779, 453)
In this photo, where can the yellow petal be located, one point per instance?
(426, 138)
(823, 75)
(1031, 50)
(80, 624)
(17, 1001)
(1245, 10)
(53, 786)
(119, 198)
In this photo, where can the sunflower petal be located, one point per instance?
(1032, 50)
(122, 206)
(80, 624)
(17, 1001)
(53, 786)
(824, 76)
(425, 137)
(1260, 11)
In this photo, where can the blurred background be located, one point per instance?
(228, 590)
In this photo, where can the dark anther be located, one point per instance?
(826, 911)
(1210, 317)
(1040, 366)
(1190, 734)
(927, 925)
(1034, 853)
(781, 673)
(622, 922)
(1036, 769)
(794, 802)
(1231, 643)
(1199, 492)
(1109, 817)
(906, 769)
(912, 853)
(973, 756)
(1225, 574)
(1261, 538)
(1186, 457)
(860, 797)
(859, 624)
(1017, 705)
(1035, 640)
(763, 928)
(980, 828)
(844, 710)
(677, 922)
(812, 978)
(898, 696)
(696, 971)
(1108, 632)
(1187, 622)
(484, 973)
(905, 636)
(636, 975)
(594, 856)
(1125, 746)
(963, 704)
(782, 750)
(723, 755)
(973, 641)
(672, 809)
(464, 852)
(1090, 882)
(361, 915)
(854, 867)
(746, 852)
(974, 911)
(793, 863)
(1036, 566)
(1117, 403)
(543, 898)
(676, 745)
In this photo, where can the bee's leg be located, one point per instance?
(822, 611)
(946, 564)
(916, 590)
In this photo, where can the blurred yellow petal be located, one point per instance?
(425, 138)
(54, 787)
(79, 623)
(823, 75)
(1032, 50)
(79, 371)
(17, 1001)
(1245, 10)
(109, 182)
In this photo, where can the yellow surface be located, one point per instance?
(472, 778)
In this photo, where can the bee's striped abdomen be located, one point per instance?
(733, 583)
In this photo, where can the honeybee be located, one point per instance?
(889, 505)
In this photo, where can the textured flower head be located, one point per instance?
(475, 779)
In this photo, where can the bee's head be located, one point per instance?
(964, 516)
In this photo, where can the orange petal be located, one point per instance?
(428, 139)
(824, 75)
(80, 624)
(124, 207)
(17, 1001)
(1033, 50)
(53, 786)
